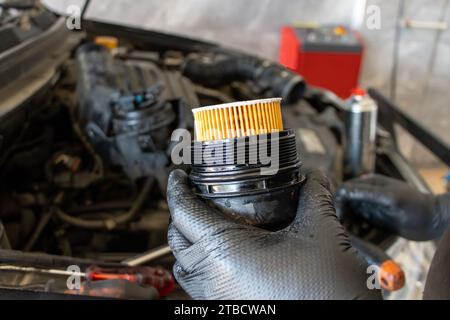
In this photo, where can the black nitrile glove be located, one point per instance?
(395, 206)
(437, 286)
(219, 258)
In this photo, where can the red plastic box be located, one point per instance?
(329, 56)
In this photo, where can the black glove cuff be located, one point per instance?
(442, 210)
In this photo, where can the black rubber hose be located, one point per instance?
(112, 222)
(101, 207)
(4, 242)
(223, 69)
(18, 5)
(45, 218)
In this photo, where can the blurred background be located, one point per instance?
(408, 64)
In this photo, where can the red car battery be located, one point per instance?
(326, 56)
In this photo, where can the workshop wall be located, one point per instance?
(252, 26)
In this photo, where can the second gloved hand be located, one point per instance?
(394, 205)
(219, 258)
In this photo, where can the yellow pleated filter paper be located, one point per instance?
(238, 119)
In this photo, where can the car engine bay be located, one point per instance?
(85, 153)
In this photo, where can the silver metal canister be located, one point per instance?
(360, 119)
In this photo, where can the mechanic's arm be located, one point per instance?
(395, 206)
(219, 258)
(437, 286)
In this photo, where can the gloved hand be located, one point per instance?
(219, 258)
(394, 205)
(437, 286)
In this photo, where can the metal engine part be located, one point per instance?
(360, 118)
(129, 109)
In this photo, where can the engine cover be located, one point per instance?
(130, 107)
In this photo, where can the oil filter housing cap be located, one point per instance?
(254, 178)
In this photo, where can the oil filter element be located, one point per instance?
(246, 163)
